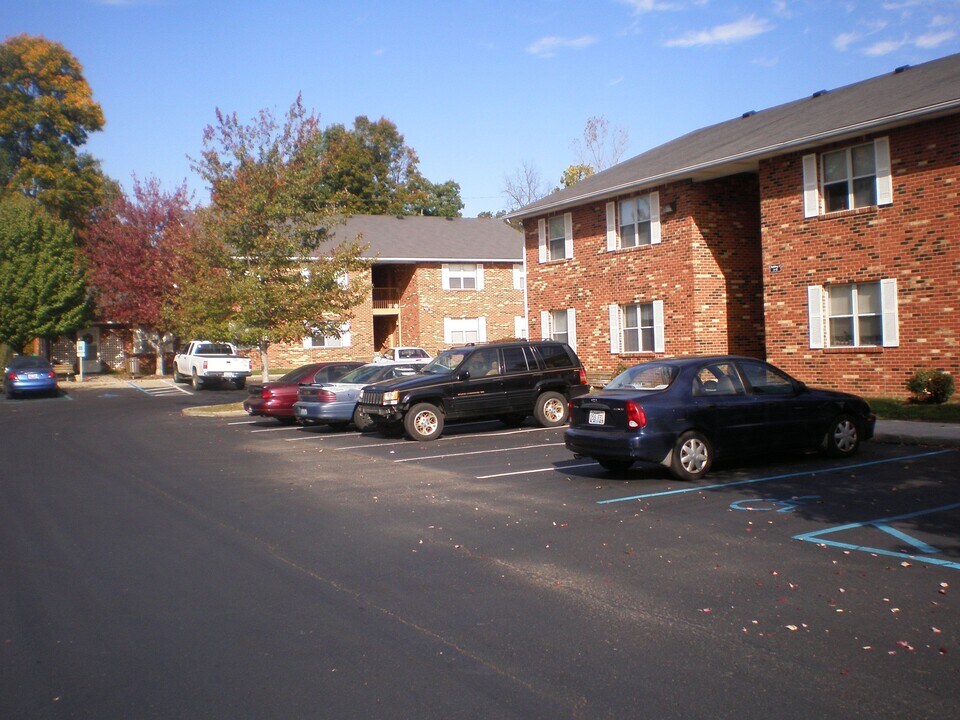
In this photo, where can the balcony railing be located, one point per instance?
(386, 298)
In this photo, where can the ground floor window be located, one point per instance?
(637, 327)
(459, 331)
(560, 325)
(853, 314)
(319, 340)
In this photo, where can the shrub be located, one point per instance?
(931, 386)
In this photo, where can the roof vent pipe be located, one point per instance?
(818, 93)
(901, 69)
(748, 113)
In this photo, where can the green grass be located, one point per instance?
(889, 409)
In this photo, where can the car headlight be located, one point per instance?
(391, 397)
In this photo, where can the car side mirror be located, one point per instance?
(465, 375)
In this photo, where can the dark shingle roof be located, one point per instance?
(906, 95)
(431, 239)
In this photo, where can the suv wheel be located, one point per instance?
(423, 421)
(551, 409)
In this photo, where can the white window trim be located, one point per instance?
(345, 339)
(543, 254)
(451, 324)
(613, 226)
(546, 326)
(889, 313)
(616, 328)
(477, 275)
(519, 278)
(813, 192)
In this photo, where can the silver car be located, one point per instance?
(335, 403)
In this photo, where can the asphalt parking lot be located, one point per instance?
(799, 586)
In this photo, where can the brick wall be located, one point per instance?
(705, 270)
(914, 240)
(423, 306)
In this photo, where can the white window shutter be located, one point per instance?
(517, 276)
(482, 328)
(881, 148)
(615, 329)
(447, 335)
(568, 235)
(519, 327)
(658, 326)
(546, 331)
(479, 276)
(307, 343)
(811, 188)
(445, 276)
(542, 245)
(572, 328)
(611, 226)
(655, 218)
(891, 322)
(345, 338)
(815, 315)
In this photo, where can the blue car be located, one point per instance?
(29, 375)
(684, 412)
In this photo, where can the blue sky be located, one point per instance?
(478, 88)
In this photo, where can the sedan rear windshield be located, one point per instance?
(650, 376)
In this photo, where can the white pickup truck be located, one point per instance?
(203, 362)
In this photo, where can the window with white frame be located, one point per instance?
(854, 315)
(519, 277)
(849, 178)
(462, 276)
(633, 222)
(319, 340)
(637, 327)
(555, 238)
(458, 331)
(559, 325)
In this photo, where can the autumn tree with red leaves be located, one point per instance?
(136, 248)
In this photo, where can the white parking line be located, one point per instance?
(243, 422)
(476, 452)
(537, 470)
(276, 429)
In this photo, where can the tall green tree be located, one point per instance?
(47, 112)
(370, 169)
(256, 277)
(42, 289)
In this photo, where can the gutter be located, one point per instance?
(758, 153)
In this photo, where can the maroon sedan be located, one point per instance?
(276, 399)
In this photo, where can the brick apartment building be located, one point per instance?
(820, 235)
(435, 282)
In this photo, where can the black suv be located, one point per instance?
(508, 381)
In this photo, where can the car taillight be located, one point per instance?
(583, 376)
(204, 365)
(11, 376)
(266, 393)
(52, 374)
(326, 396)
(636, 417)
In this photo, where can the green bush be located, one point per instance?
(931, 386)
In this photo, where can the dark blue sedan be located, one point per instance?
(684, 412)
(29, 374)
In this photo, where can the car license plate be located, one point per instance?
(33, 376)
(597, 417)
(301, 411)
(228, 375)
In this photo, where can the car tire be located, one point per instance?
(615, 464)
(177, 377)
(240, 383)
(551, 410)
(424, 421)
(512, 421)
(692, 456)
(361, 420)
(842, 438)
(196, 382)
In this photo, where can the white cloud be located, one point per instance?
(723, 34)
(549, 46)
(643, 6)
(844, 40)
(932, 40)
(884, 47)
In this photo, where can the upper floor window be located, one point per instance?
(854, 315)
(462, 276)
(555, 237)
(847, 179)
(633, 222)
(637, 327)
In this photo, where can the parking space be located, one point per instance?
(889, 502)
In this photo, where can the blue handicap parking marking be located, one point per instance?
(925, 553)
(771, 504)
